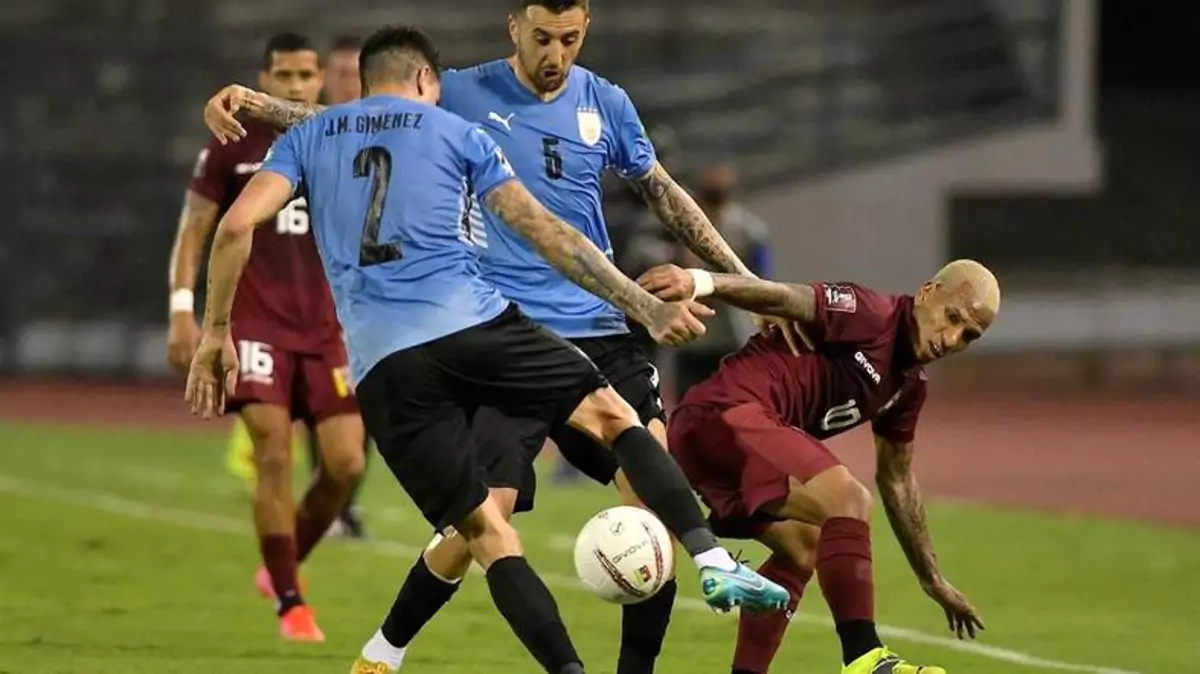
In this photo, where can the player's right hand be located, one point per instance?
(668, 283)
(677, 323)
(212, 375)
(221, 110)
(183, 336)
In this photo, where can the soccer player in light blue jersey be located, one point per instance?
(562, 126)
(391, 183)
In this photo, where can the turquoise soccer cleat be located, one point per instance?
(723, 590)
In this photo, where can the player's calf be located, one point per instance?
(793, 546)
(519, 594)
(432, 583)
(340, 440)
(644, 625)
(841, 505)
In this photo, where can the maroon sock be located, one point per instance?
(759, 635)
(847, 581)
(279, 556)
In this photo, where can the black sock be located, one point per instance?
(657, 480)
(643, 629)
(420, 598)
(858, 637)
(525, 602)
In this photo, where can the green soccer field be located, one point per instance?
(130, 551)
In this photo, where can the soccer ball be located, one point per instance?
(624, 555)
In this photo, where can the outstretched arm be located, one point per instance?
(221, 110)
(680, 214)
(786, 300)
(905, 508)
(581, 261)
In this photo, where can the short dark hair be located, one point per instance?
(556, 6)
(352, 43)
(395, 53)
(285, 43)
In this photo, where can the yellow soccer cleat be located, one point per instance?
(883, 661)
(365, 666)
(239, 455)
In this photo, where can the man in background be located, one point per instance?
(747, 234)
(342, 85)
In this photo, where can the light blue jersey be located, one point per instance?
(560, 150)
(390, 182)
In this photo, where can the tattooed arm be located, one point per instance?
(680, 214)
(581, 261)
(221, 110)
(901, 496)
(787, 300)
(905, 508)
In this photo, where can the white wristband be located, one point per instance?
(702, 283)
(183, 301)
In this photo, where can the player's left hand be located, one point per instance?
(668, 283)
(791, 333)
(960, 615)
(221, 110)
(213, 374)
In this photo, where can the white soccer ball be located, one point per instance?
(624, 555)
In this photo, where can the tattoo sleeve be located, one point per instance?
(769, 298)
(278, 112)
(196, 222)
(570, 251)
(901, 496)
(680, 214)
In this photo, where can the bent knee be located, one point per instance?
(839, 494)
(605, 415)
(273, 455)
(851, 499)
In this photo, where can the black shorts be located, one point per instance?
(502, 438)
(418, 403)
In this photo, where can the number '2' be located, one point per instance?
(375, 163)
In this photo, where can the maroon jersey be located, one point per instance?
(863, 369)
(283, 292)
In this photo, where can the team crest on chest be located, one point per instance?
(590, 125)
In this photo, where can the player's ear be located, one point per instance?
(264, 80)
(514, 29)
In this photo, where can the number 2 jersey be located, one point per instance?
(282, 298)
(863, 369)
(391, 183)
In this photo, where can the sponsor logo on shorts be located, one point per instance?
(867, 367)
(840, 298)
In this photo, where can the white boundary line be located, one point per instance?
(119, 505)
